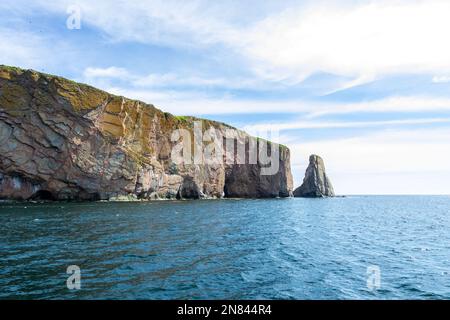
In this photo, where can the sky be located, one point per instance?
(364, 84)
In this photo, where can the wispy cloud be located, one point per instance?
(198, 103)
(362, 41)
(441, 79)
(390, 104)
(96, 75)
(342, 124)
(168, 22)
(111, 73)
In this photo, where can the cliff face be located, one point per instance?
(63, 140)
(316, 183)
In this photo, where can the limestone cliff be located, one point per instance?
(69, 141)
(316, 183)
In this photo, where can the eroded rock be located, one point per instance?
(316, 183)
(69, 141)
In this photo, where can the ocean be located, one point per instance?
(355, 247)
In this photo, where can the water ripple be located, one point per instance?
(228, 249)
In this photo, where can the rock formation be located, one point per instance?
(68, 141)
(316, 183)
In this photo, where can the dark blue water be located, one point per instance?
(229, 249)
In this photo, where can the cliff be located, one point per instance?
(316, 183)
(68, 141)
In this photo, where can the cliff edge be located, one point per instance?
(63, 140)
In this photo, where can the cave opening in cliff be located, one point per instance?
(43, 195)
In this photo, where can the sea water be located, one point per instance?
(357, 247)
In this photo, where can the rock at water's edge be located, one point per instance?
(316, 183)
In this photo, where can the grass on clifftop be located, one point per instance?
(182, 118)
(9, 68)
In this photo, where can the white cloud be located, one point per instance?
(111, 72)
(167, 22)
(441, 79)
(363, 40)
(390, 104)
(342, 124)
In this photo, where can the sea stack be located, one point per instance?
(316, 183)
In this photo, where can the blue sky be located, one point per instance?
(364, 84)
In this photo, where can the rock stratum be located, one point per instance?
(316, 183)
(61, 140)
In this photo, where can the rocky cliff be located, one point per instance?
(316, 183)
(68, 141)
